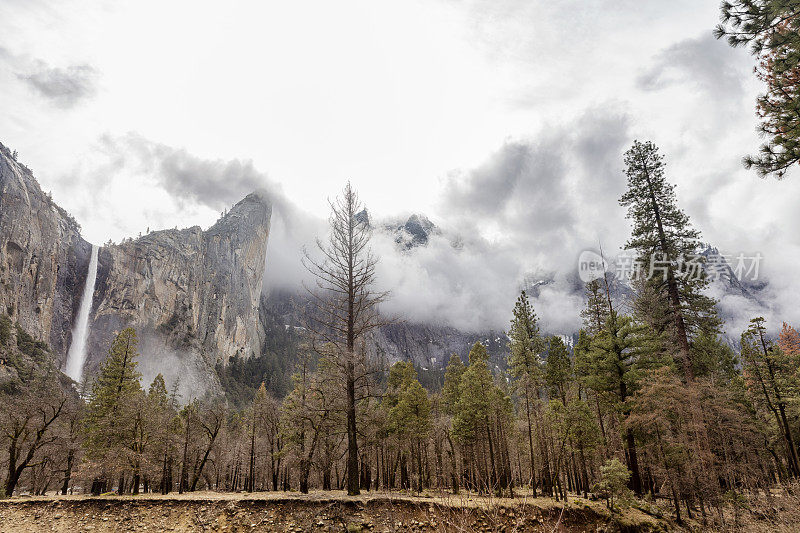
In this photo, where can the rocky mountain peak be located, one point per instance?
(362, 217)
(415, 231)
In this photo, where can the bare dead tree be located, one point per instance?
(345, 307)
(28, 424)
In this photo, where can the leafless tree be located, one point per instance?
(28, 424)
(345, 307)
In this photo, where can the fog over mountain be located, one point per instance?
(512, 147)
(518, 220)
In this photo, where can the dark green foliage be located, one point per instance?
(114, 392)
(476, 394)
(713, 357)
(617, 356)
(614, 478)
(671, 280)
(452, 379)
(526, 345)
(31, 347)
(5, 330)
(432, 379)
(596, 311)
(558, 369)
(409, 413)
(240, 377)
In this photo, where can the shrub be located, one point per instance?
(614, 482)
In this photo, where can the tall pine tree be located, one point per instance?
(524, 361)
(666, 243)
(110, 419)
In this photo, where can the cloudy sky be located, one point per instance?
(503, 121)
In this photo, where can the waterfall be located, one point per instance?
(80, 332)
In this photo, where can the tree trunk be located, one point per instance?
(184, 474)
(633, 462)
(68, 472)
(252, 470)
(672, 289)
(532, 479)
(352, 434)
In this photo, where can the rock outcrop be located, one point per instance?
(43, 258)
(192, 296)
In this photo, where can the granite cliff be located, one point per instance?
(192, 295)
(43, 258)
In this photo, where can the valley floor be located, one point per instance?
(318, 511)
(333, 511)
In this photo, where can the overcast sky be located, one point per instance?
(503, 121)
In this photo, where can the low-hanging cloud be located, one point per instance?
(64, 87)
(217, 184)
(519, 218)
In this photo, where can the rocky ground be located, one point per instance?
(329, 511)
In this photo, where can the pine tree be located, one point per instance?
(614, 362)
(772, 28)
(452, 378)
(472, 408)
(525, 366)
(558, 369)
(772, 376)
(117, 377)
(410, 416)
(110, 423)
(714, 358)
(596, 311)
(157, 392)
(162, 416)
(614, 477)
(471, 421)
(666, 244)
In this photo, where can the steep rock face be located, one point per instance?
(427, 345)
(43, 259)
(192, 295)
(431, 345)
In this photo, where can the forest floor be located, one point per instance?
(333, 511)
(318, 511)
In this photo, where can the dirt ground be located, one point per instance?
(318, 511)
